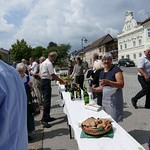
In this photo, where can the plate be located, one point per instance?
(99, 126)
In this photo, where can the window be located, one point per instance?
(134, 43)
(148, 33)
(134, 56)
(90, 61)
(140, 54)
(125, 45)
(127, 56)
(120, 46)
(100, 50)
(140, 42)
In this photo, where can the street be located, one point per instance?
(129, 70)
(136, 121)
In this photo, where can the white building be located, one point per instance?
(134, 38)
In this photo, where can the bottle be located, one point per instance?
(72, 93)
(86, 96)
(66, 87)
(79, 91)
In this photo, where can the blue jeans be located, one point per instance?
(46, 91)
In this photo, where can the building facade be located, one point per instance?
(133, 39)
(5, 55)
(104, 44)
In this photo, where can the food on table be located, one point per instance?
(95, 126)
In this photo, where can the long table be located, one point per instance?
(76, 113)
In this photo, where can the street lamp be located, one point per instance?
(83, 40)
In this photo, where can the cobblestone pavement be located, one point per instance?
(136, 121)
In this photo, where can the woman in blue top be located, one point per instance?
(111, 82)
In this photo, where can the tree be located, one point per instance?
(51, 44)
(62, 51)
(20, 50)
(38, 51)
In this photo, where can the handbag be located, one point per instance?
(34, 106)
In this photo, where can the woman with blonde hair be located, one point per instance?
(95, 81)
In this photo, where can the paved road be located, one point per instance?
(136, 121)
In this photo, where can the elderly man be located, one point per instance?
(144, 79)
(46, 74)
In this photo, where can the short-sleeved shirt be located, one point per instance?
(78, 70)
(46, 69)
(110, 75)
(144, 63)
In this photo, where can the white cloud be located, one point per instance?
(64, 21)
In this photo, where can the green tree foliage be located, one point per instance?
(38, 51)
(20, 50)
(62, 51)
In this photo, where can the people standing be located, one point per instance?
(70, 66)
(36, 80)
(32, 66)
(26, 66)
(47, 74)
(97, 68)
(79, 72)
(111, 84)
(13, 110)
(144, 79)
(27, 84)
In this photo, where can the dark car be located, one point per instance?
(126, 62)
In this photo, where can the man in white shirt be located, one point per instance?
(144, 79)
(47, 73)
(13, 110)
(32, 65)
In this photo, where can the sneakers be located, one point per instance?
(134, 103)
(50, 119)
(45, 124)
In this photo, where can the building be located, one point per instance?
(134, 38)
(104, 44)
(5, 55)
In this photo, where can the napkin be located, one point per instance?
(93, 107)
(109, 134)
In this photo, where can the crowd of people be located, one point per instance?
(18, 85)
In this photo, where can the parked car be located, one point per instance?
(115, 62)
(126, 62)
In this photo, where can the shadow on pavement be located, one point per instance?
(56, 133)
(126, 114)
(52, 149)
(142, 136)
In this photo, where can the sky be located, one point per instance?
(39, 22)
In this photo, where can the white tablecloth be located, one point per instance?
(76, 113)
